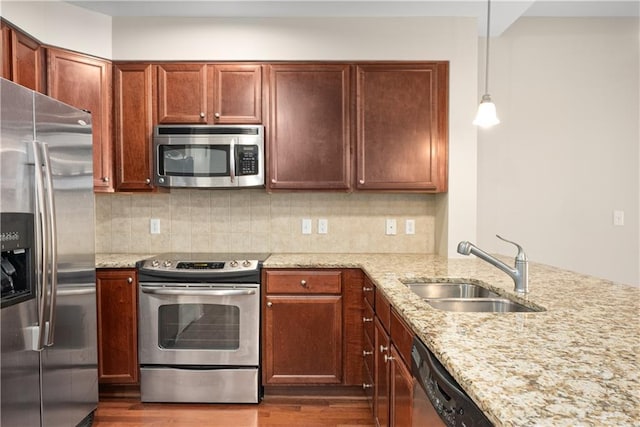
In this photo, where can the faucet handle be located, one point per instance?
(521, 256)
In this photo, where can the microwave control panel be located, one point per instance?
(247, 160)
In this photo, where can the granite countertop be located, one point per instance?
(575, 364)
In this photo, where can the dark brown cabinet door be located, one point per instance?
(85, 82)
(401, 401)
(22, 59)
(309, 127)
(182, 93)
(133, 110)
(402, 116)
(117, 299)
(237, 94)
(302, 339)
(381, 379)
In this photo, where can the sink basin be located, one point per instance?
(450, 290)
(486, 305)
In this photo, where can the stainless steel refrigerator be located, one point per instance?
(48, 363)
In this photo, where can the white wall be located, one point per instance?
(61, 24)
(452, 39)
(567, 151)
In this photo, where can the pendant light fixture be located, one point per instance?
(486, 115)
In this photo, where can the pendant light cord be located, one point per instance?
(486, 72)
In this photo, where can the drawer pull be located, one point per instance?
(129, 280)
(366, 353)
(388, 358)
(383, 349)
(367, 289)
(367, 319)
(303, 283)
(366, 386)
(269, 304)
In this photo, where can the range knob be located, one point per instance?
(155, 263)
(167, 263)
(246, 263)
(233, 263)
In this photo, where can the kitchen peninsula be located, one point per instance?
(576, 363)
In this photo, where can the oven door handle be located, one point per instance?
(200, 292)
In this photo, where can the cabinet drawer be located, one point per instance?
(367, 322)
(369, 291)
(401, 336)
(304, 282)
(368, 354)
(383, 310)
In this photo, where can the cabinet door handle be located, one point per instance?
(366, 386)
(362, 181)
(367, 319)
(202, 115)
(269, 304)
(147, 181)
(216, 115)
(366, 353)
(383, 348)
(367, 289)
(388, 358)
(105, 179)
(129, 280)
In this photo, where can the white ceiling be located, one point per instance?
(503, 12)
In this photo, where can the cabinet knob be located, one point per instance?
(383, 348)
(202, 115)
(367, 289)
(366, 386)
(366, 353)
(303, 283)
(367, 319)
(105, 179)
(147, 181)
(273, 180)
(388, 358)
(129, 280)
(362, 181)
(269, 304)
(216, 115)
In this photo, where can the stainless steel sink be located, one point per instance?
(431, 290)
(486, 305)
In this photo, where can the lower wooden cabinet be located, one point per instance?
(117, 300)
(401, 392)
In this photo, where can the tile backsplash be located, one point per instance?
(256, 221)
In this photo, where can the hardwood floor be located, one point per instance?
(272, 411)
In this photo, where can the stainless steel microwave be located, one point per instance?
(208, 156)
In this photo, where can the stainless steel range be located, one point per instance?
(199, 328)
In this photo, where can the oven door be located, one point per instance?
(199, 324)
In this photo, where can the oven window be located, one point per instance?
(199, 326)
(194, 160)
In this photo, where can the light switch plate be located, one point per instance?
(410, 226)
(154, 226)
(618, 218)
(323, 226)
(306, 226)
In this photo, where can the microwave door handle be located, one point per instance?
(232, 160)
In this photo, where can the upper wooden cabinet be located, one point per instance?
(309, 127)
(85, 82)
(402, 126)
(209, 93)
(22, 59)
(133, 126)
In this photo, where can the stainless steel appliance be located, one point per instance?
(49, 374)
(208, 156)
(199, 328)
(438, 400)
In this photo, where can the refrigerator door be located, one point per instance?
(19, 364)
(69, 360)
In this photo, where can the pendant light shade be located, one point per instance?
(486, 115)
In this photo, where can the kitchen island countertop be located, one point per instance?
(575, 364)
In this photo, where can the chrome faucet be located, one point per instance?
(519, 274)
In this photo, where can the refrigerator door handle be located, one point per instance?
(41, 242)
(52, 247)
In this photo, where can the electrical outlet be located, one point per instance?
(154, 226)
(323, 226)
(618, 218)
(306, 226)
(391, 227)
(410, 226)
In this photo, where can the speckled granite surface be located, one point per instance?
(575, 364)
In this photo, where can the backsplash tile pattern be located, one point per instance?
(255, 221)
